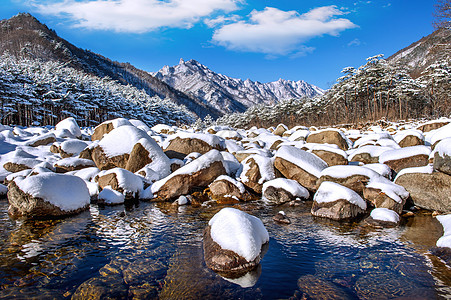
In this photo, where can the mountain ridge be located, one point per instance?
(229, 94)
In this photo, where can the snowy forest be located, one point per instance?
(376, 90)
(34, 92)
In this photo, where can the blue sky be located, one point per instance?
(311, 40)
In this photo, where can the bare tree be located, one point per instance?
(442, 14)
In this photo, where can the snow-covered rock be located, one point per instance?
(48, 195)
(72, 163)
(442, 156)
(71, 125)
(199, 173)
(107, 127)
(257, 170)
(337, 202)
(383, 217)
(281, 190)
(329, 136)
(225, 188)
(445, 240)
(122, 181)
(398, 159)
(233, 241)
(109, 196)
(299, 165)
(353, 177)
(183, 143)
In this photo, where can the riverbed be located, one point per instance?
(154, 250)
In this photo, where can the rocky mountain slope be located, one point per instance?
(230, 94)
(424, 52)
(24, 36)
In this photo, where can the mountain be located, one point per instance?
(425, 52)
(24, 36)
(230, 94)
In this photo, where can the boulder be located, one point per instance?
(328, 136)
(234, 242)
(47, 196)
(337, 202)
(72, 164)
(114, 149)
(352, 177)
(382, 193)
(368, 154)
(71, 125)
(411, 140)
(41, 140)
(70, 148)
(199, 173)
(333, 157)
(299, 165)
(280, 129)
(18, 164)
(107, 127)
(312, 287)
(182, 144)
(429, 126)
(398, 159)
(442, 156)
(146, 152)
(257, 170)
(383, 217)
(429, 191)
(225, 187)
(122, 181)
(282, 218)
(282, 190)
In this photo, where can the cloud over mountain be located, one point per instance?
(137, 16)
(274, 31)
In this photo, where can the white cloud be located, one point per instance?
(276, 32)
(136, 15)
(221, 20)
(355, 42)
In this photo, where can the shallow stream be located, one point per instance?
(151, 250)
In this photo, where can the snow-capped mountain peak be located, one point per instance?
(229, 94)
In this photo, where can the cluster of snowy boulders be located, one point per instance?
(54, 172)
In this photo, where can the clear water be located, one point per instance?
(151, 250)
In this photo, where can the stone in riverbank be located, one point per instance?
(234, 242)
(47, 196)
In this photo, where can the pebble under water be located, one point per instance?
(154, 250)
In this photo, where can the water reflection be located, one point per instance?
(150, 250)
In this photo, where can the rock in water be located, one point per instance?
(233, 242)
(199, 173)
(282, 190)
(337, 202)
(48, 195)
(281, 217)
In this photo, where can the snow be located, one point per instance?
(392, 190)
(381, 169)
(229, 134)
(71, 125)
(309, 162)
(210, 139)
(373, 151)
(384, 214)
(372, 137)
(348, 171)
(160, 164)
(28, 162)
(182, 200)
(121, 140)
(300, 134)
(445, 240)
(402, 134)
(231, 164)
(232, 146)
(327, 147)
(120, 122)
(111, 196)
(443, 147)
(236, 183)
(67, 192)
(289, 185)
(440, 134)
(265, 166)
(39, 138)
(74, 162)
(330, 191)
(404, 153)
(129, 182)
(201, 163)
(146, 194)
(235, 230)
(425, 170)
(23, 173)
(73, 146)
(93, 188)
(87, 173)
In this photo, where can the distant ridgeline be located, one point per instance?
(33, 92)
(379, 89)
